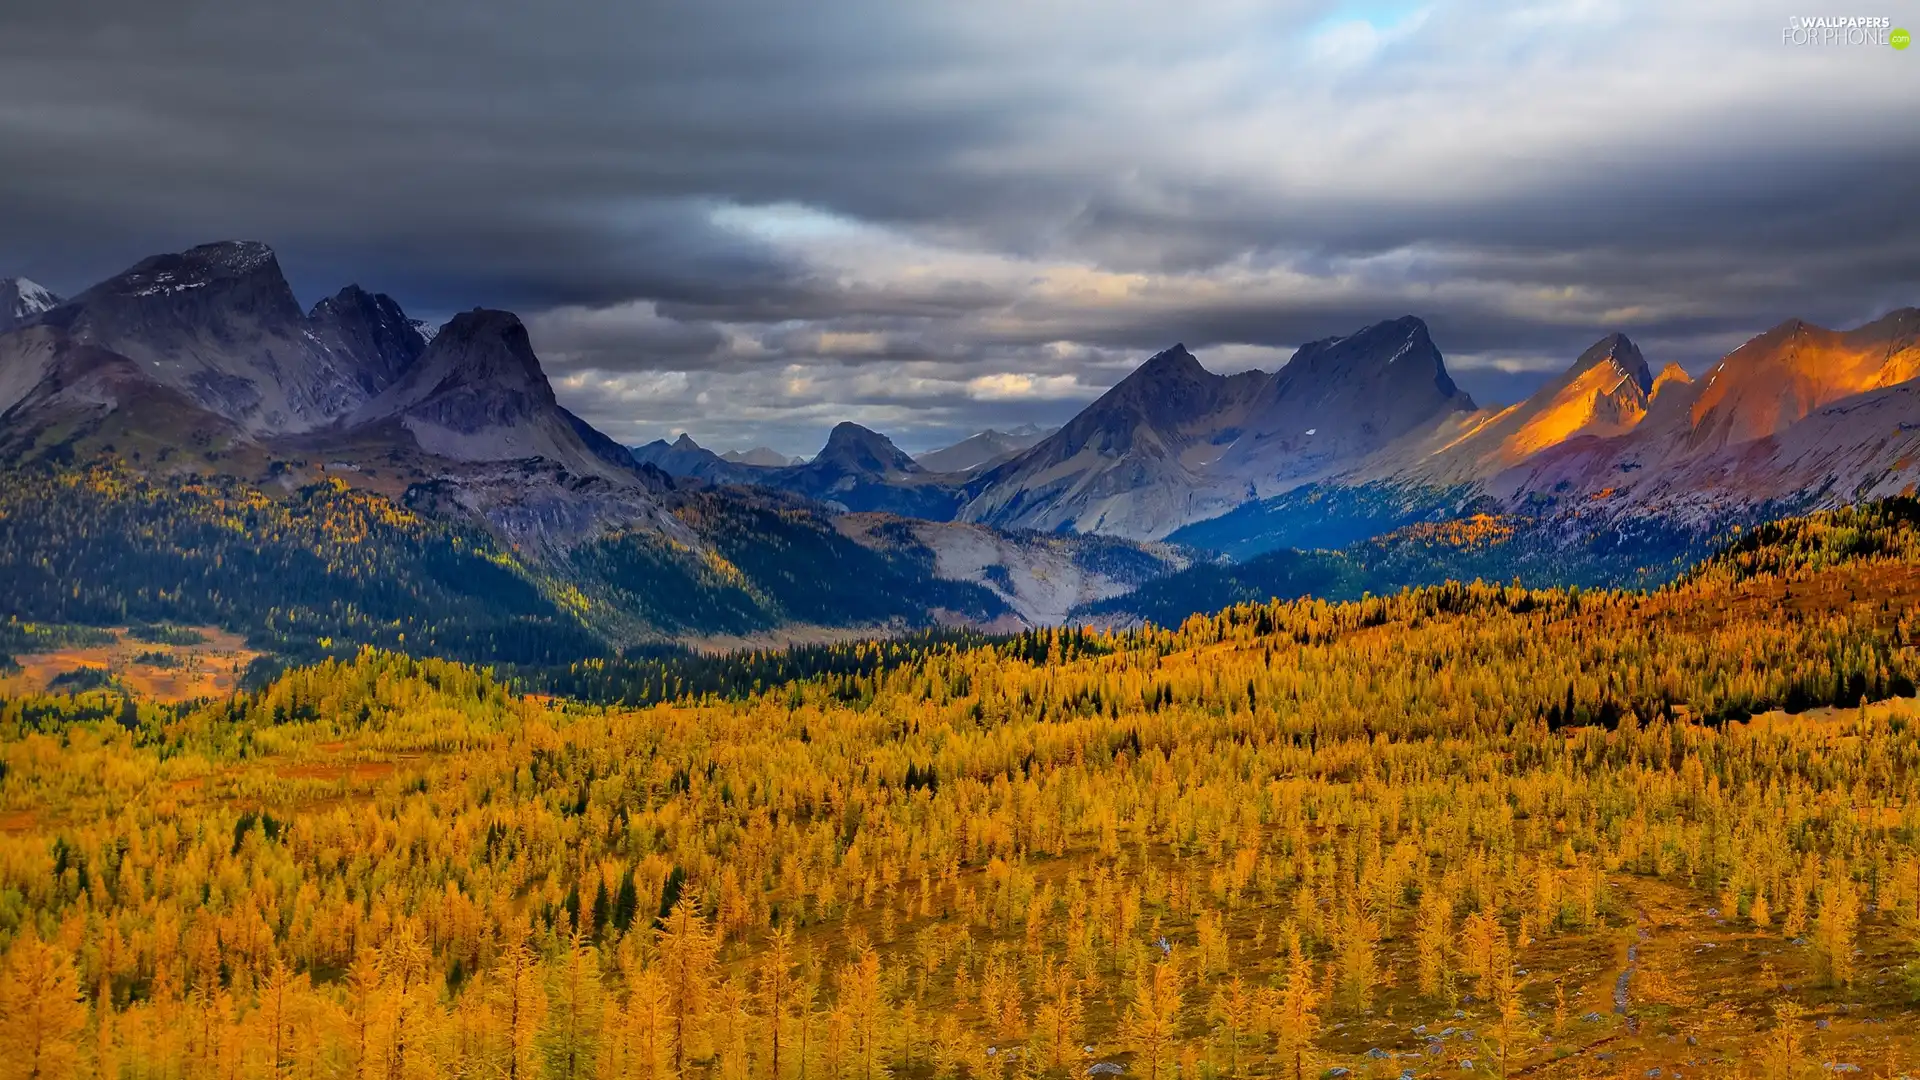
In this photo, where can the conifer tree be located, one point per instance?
(574, 996)
(687, 952)
(776, 994)
(1297, 1021)
(42, 1013)
(1152, 1022)
(1835, 925)
(522, 1008)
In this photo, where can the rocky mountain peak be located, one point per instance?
(1169, 376)
(1175, 362)
(1671, 375)
(485, 347)
(1619, 351)
(1170, 391)
(243, 275)
(863, 450)
(1401, 350)
(219, 323)
(1363, 388)
(372, 337)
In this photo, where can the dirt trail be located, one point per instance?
(1622, 999)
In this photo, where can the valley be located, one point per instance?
(167, 664)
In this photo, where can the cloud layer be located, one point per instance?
(750, 220)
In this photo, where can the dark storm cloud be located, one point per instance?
(749, 219)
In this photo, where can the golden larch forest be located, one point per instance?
(1474, 829)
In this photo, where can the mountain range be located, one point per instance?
(760, 455)
(983, 450)
(1371, 431)
(202, 364)
(858, 470)
(192, 390)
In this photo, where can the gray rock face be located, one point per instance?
(685, 458)
(1175, 443)
(1131, 464)
(680, 458)
(479, 373)
(852, 450)
(375, 340)
(216, 331)
(219, 324)
(858, 470)
(477, 393)
(1797, 414)
(1339, 400)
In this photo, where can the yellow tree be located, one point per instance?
(1510, 1027)
(776, 992)
(806, 1015)
(366, 1014)
(1297, 1022)
(909, 1031)
(866, 1011)
(405, 959)
(950, 1045)
(522, 1006)
(648, 1027)
(1152, 1022)
(573, 1010)
(1059, 1017)
(1433, 932)
(277, 1015)
(1835, 925)
(41, 1012)
(1477, 944)
(1232, 1012)
(687, 952)
(1782, 1053)
(1359, 939)
(469, 1034)
(729, 1021)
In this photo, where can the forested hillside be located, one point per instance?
(298, 572)
(1464, 830)
(325, 568)
(1533, 551)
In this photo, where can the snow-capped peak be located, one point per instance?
(32, 298)
(29, 297)
(21, 299)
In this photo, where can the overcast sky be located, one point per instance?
(749, 221)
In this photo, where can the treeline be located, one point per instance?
(847, 670)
